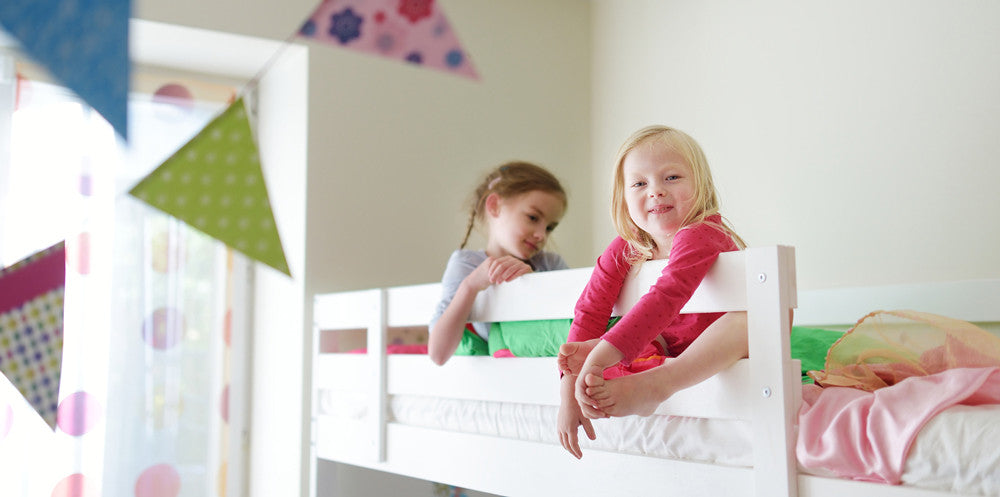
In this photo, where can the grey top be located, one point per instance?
(463, 262)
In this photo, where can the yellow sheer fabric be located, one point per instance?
(886, 347)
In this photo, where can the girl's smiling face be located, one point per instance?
(520, 225)
(659, 191)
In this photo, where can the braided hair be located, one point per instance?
(510, 180)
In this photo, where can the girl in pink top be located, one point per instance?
(664, 206)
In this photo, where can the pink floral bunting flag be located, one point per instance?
(413, 31)
(31, 327)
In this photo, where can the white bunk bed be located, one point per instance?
(762, 392)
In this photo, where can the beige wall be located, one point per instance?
(392, 153)
(395, 150)
(862, 133)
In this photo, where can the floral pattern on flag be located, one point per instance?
(413, 31)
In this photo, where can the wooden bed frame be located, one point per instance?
(764, 389)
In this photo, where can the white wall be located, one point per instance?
(863, 133)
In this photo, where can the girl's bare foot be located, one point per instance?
(639, 393)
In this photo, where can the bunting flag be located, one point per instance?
(31, 327)
(215, 184)
(83, 44)
(414, 31)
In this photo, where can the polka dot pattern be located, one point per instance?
(161, 480)
(31, 350)
(224, 404)
(74, 485)
(78, 413)
(82, 253)
(164, 328)
(215, 184)
(227, 331)
(221, 479)
(174, 94)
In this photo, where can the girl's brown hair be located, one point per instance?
(510, 180)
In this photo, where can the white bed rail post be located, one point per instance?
(376, 364)
(771, 294)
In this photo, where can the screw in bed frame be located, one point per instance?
(761, 277)
(766, 392)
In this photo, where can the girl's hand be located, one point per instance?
(573, 354)
(570, 419)
(506, 268)
(495, 270)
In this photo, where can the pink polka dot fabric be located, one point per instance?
(74, 485)
(160, 480)
(78, 413)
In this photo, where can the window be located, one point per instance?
(149, 301)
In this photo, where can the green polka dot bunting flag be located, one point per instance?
(31, 327)
(215, 184)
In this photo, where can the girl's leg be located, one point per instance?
(718, 347)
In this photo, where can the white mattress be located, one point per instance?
(718, 442)
(957, 451)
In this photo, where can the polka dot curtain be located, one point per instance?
(143, 402)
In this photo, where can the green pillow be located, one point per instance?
(471, 344)
(810, 345)
(539, 338)
(542, 338)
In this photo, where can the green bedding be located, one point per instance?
(810, 346)
(542, 338)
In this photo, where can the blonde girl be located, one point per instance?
(664, 206)
(519, 204)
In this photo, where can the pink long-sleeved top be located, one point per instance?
(694, 250)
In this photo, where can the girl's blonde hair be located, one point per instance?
(706, 201)
(510, 180)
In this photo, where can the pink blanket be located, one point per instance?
(866, 435)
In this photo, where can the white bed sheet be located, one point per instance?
(957, 451)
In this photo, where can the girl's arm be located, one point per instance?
(694, 250)
(446, 333)
(593, 309)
